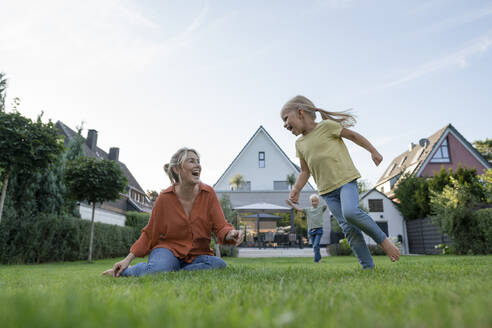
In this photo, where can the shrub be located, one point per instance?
(376, 249)
(343, 249)
(50, 238)
(455, 213)
(228, 250)
(340, 249)
(136, 220)
(413, 194)
(483, 219)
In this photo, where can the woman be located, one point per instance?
(181, 224)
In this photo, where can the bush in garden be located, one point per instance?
(137, 220)
(49, 238)
(456, 212)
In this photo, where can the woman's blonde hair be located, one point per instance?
(345, 118)
(177, 160)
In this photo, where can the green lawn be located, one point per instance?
(418, 291)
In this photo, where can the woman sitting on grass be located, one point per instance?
(181, 224)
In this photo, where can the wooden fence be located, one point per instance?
(423, 235)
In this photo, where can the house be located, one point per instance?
(447, 147)
(264, 167)
(386, 215)
(134, 197)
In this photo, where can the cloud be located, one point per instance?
(465, 18)
(460, 59)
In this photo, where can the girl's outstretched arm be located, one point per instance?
(363, 142)
(300, 182)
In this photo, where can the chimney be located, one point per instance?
(114, 153)
(92, 139)
(412, 146)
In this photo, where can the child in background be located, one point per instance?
(314, 217)
(323, 154)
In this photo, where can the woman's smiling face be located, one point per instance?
(191, 169)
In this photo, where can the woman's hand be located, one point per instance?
(293, 205)
(120, 266)
(376, 157)
(294, 195)
(236, 235)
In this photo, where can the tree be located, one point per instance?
(236, 181)
(3, 91)
(413, 194)
(152, 194)
(291, 180)
(229, 213)
(94, 181)
(25, 146)
(484, 148)
(487, 180)
(362, 186)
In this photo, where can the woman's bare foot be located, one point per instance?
(108, 272)
(391, 250)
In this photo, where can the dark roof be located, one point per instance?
(412, 161)
(261, 128)
(98, 153)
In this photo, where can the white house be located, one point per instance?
(134, 197)
(264, 167)
(384, 211)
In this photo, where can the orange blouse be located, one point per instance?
(187, 238)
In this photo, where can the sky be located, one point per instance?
(153, 76)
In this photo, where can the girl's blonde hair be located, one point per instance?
(345, 118)
(177, 160)
(313, 196)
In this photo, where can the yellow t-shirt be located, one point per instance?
(327, 156)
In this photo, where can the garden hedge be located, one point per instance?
(51, 238)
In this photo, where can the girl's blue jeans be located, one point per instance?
(163, 260)
(315, 236)
(344, 205)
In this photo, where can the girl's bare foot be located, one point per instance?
(108, 272)
(391, 250)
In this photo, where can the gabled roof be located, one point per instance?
(364, 194)
(98, 153)
(258, 131)
(415, 160)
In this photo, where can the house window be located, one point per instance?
(245, 186)
(442, 153)
(376, 205)
(261, 159)
(280, 185)
(384, 226)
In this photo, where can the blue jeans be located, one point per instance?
(315, 236)
(163, 260)
(344, 205)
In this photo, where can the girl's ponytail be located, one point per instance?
(345, 118)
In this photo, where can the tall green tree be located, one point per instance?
(362, 186)
(94, 181)
(152, 194)
(484, 147)
(291, 180)
(236, 181)
(25, 146)
(3, 91)
(229, 212)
